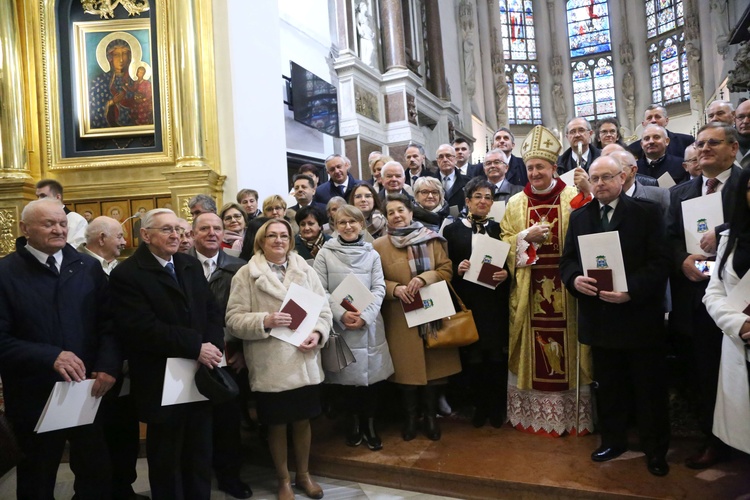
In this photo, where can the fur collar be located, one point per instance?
(266, 280)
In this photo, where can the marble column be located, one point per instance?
(13, 154)
(392, 19)
(345, 26)
(436, 84)
(485, 62)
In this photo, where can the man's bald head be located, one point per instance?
(105, 237)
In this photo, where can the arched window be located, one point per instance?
(521, 68)
(670, 82)
(591, 58)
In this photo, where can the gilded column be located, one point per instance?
(392, 18)
(13, 155)
(436, 84)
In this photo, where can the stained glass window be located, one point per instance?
(663, 16)
(670, 82)
(594, 88)
(521, 68)
(517, 22)
(588, 27)
(524, 105)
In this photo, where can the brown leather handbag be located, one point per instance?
(457, 330)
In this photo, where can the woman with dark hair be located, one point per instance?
(362, 330)
(365, 198)
(485, 362)
(285, 378)
(310, 238)
(248, 242)
(413, 257)
(608, 132)
(732, 410)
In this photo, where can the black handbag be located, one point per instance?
(10, 452)
(336, 355)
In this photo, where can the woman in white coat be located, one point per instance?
(286, 379)
(732, 410)
(363, 331)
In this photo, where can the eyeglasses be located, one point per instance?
(608, 132)
(495, 163)
(274, 236)
(604, 178)
(344, 223)
(169, 230)
(691, 160)
(228, 218)
(446, 156)
(711, 142)
(429, 193)
(478, 197)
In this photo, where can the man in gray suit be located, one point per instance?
(634, 188)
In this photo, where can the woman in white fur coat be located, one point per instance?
(732, 409)
(364, 332)
(285, 378)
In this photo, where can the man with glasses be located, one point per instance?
(340, 181)
(164, 308)
(506, 141)
(451, 178)
(625, 329)
(742, 124)
(656, 161)
(495, 169)
(657, 115)
(717, 148)
(691, 164)
(580, 135)
(633, 186)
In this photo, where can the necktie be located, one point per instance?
(712, 185)
(446, 183)
(208, 266)
(582, 164)
(341, 189)
(414, 179)
(52, 264)
(606, 209)
(170, 269)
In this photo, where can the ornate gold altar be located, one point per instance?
(115, 99)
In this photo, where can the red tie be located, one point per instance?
(712, 184)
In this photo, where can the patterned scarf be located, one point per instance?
(315, 245)
(478, 223)
(414, 238)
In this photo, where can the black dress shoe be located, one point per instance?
(658, 466)
(236, 488)
(604, 453)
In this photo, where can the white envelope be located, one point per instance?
(497, 211)
(70, 404)
(665, 181)
(355, 291)
(568, 176)
(700, 216)
(439, 305)
(312, 303)
(484, 248)
(179, 382)
(604, 246)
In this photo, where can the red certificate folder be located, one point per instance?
(298, 314)
(603, 279)
(415, 304)
(349, 306)
(485, 274)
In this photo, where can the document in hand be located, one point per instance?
(436, 304)
(665, 181)
(179, 382)
(497, 211)
(485, 251)
(70, 404)
(352, 293)
(603, 251)
(311, 303)
(568, 177)
(699, 216)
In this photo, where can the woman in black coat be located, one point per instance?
(485, 362)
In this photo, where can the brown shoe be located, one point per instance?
(707, 457)
(285, 489)
(304, 482)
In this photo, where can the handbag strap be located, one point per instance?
(460, 302)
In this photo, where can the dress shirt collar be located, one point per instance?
(630, 192)
(106, 266)
(612, 204)
(42, 257)
(723, 178)
(161, 261)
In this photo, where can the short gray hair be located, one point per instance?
(33, 205)
(497, 151)
(429, 182)
(148, 218)
(208, 203)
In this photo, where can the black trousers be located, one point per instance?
(706, 342)
(227, 449)
(641, 372)
(37, 472)
(119, 422)
(179, 454)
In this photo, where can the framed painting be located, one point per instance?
(120, 211)
(113, 77)
(90, 211)
(139, 209)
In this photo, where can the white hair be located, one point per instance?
(35, 204)
(149, 217)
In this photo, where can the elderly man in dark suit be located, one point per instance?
(717, 148)
(164, 309)
(450, 176)
(657, 115)
(54, 326)
(580, 136)
(495, 169)
(624, 329)
(633, 186)
(340, 181)
(655, 161)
